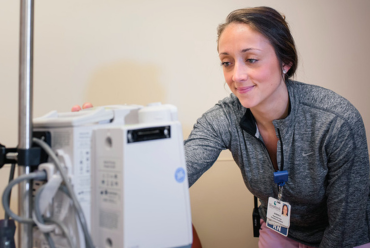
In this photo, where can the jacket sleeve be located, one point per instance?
(209, 137)
(348, 185)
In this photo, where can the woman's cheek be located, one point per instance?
(230, 84)
(262, 74)
(228, 78)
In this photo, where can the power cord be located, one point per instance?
(38, 175)
(39, 217)
(65, 178)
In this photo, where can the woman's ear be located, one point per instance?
(286, 67)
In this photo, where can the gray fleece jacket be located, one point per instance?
(322, 146)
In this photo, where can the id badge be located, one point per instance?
(279, 229)
(278, 216)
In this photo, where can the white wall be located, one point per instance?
(143, 51)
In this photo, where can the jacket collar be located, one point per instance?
(248, 122)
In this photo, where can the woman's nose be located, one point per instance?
(240, 73)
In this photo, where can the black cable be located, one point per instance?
(11, 177)
(255, 202)
(8, 224)
(281, 151)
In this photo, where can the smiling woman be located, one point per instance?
(252, 69)
(271, 123)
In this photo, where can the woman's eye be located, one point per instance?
(225, 64)
(252, 61)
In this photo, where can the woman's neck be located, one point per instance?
(274, 108)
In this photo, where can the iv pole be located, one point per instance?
(25, 116)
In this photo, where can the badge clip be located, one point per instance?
(281, 177)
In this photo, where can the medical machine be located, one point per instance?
(71, 140)
(127, 168)
(140, 195)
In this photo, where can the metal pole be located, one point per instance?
(25, 115)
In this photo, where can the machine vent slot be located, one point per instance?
(146, 134)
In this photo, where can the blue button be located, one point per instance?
(180, 175)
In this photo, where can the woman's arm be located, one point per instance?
(348, 185)
(209, 137)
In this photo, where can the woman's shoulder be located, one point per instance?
(228, 105)
(225, 113)
(320, 99)
(315, 94)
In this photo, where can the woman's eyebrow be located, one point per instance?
(248, 49)
(243, 51)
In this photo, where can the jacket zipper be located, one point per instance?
(281, 151)
(266, 152)
(268, 155)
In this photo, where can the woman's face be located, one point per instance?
(285, 210)
(250, 66)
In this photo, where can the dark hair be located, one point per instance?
(273, 26)
(287, 209)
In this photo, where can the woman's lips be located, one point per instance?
(243, 90)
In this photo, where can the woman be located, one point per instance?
(271, 123)
(285, 210)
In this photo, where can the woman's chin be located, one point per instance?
(247, 103)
